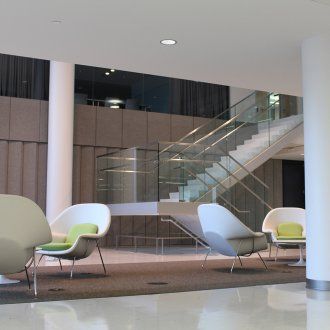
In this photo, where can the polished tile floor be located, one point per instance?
(286, 306)
(262, 307)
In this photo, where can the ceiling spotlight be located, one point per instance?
(112, 70)
(168, 42)
(56, 21)
(107, 73)
(115, 106)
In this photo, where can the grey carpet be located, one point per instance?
(146, 278)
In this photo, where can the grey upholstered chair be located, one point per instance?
(23, 227)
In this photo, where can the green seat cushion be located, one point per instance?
(80, 229)
(55, 246)
(293, 238)
(290, 230)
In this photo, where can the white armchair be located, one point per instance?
(227, 235)
(84, 243)
(23, 228)
(279, 216)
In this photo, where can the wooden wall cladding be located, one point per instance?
(23, 170)
(23, 158)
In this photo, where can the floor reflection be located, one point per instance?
(284, 306)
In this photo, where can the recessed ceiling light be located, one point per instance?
(114, 106)
(107, 73)
(56, 21)
(168, 42)
(112, 70)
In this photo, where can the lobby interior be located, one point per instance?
(164, 165)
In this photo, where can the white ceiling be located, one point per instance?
(253, 44)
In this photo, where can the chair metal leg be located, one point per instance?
(59, 260)
(105, 271)
(71, 273)
(207, 254)
(35, 274)
(40, 260)
(263, 261)
(27, 277)
(276, 253)
(240, 260)
(233, 265)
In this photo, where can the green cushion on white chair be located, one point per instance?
(290, 231)
(80, 229)
(55, 246)
(74, 232)
(292, 238)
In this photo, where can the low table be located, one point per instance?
(301, 243)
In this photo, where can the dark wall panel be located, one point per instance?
(180, 126)
(43, 126)
(42, 175)
(87, 175)
(4, 117)
(159, 127)
(134, 128)
(24, 119)
(30, 160)
(85, 125)
(109, 127)
(76, 175)
(15, 168)
(3, 166)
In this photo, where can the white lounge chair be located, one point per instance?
(280, 216)
(76, 232)
(23, 227)
(227, 235)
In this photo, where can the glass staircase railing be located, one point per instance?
(213, 163)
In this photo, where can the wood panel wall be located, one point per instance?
(98, 130)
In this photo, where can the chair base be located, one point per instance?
(301, 262)
(6, 280)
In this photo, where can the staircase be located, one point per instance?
(265, 138)
(213, 163)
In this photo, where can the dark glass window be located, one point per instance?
(29, 78)
(128, 90)
(24, 77)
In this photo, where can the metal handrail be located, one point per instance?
(219, 183)
(227, 123)
(233, 175)
(213, 119)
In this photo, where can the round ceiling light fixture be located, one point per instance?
(107, 73)
(112, 70)
(56, 21)
(168, 42)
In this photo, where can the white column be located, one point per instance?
(60, 138)
(316, 93)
